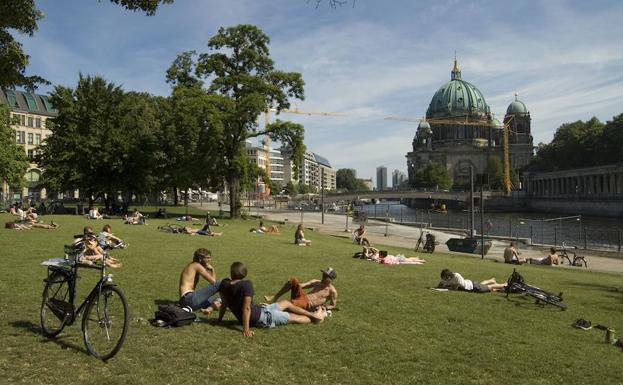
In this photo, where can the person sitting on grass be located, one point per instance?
(94, 213)
(359, 236)
(381, 256)
(512, 256)
(107, 240)
(210, 220)
(30, 226)
(321, 292)
(93, 252)
(550, 260)
(454, 281)
(31, 214)
(299, 237)
(206, 298)
(263, 229)
(135, 219)
(237, 296)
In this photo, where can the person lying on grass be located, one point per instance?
(381, 256)
(454, 281)
(237, 296)
(30, 226)
(93, 252)
(551, 259)
(321, 292)
(206, 298)
(263, 229)
(205, 230)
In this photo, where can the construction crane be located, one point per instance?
(508, 185)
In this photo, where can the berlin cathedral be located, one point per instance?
(460, 131)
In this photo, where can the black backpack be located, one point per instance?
(171, 314)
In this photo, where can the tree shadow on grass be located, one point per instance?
(36, 329)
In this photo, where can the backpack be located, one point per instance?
(171, 314)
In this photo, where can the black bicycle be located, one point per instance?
(171, 228)
(516, 284)
(104, 311)
(572, 258)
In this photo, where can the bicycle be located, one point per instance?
(516, 284)
(572, 258)
(171, 228)
(105, 315)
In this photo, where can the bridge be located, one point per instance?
(409, 194)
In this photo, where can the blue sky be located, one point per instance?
(378, 58)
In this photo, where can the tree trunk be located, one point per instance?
(234, 196)
(175, 197)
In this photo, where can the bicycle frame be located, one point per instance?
(71, 274)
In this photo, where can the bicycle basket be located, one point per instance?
(74, 252)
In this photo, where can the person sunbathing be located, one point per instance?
(399, 259)
(206, 298)
(135, 219)
(107, 240)
(93, 253)
(299, 237)
(30, 226)
(263, 229)
(321, 292)
(205, 230)
(550, 260)
(359, 236)
(94, 213)
(454, 281)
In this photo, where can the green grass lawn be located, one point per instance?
(391, 329)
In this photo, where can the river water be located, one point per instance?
(536, 228)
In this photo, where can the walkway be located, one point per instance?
(406, 236)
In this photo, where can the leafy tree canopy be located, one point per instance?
(345, 179)
(13, 161)
(434, 175)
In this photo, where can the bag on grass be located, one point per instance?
(171, 314)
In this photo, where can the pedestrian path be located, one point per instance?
(407, 236)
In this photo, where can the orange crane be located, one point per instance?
(508, 185)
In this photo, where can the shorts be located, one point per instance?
(271, 317)
(480, 288)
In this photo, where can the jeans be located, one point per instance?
(202, 298)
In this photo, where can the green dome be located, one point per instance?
(423, 125)
(517, 107)
(457, 97)
(496, 122)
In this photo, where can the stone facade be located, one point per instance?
(460, 131)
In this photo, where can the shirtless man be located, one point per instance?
(322, 292)
(512, 256)
(205, 230)
(203, 298)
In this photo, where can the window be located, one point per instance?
(30, 138)
(38, 122)
(33, 176)
(22, 120)
(30, 121)
(20, 137)
(37, 138)
(31, 154)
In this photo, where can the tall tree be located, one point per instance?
(13, 161)
(20, 16)
(242, 73)
(494, 172)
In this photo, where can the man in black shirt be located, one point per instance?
(237, 295)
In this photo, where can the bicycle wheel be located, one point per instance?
(105, 323)
(56, 310)
(547, 298)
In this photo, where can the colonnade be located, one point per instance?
(593, 182)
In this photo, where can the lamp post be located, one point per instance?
(482, 224)
(471, 200)
(322, 195)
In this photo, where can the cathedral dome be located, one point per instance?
(424, 125)
(517, 107)
(457, 97)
